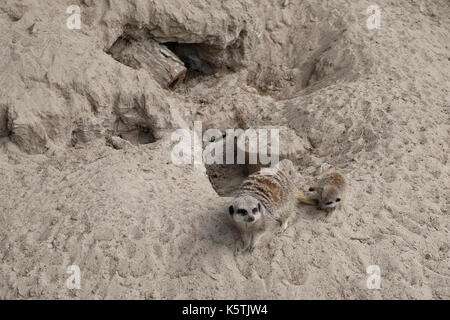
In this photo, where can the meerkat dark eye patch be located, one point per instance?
(242, 212)
(255, 210)
(231, 210)
(259, 206)
(329, 202)
(338, 199)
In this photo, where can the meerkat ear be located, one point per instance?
(259, 206)
(231, 210)
(313, 189)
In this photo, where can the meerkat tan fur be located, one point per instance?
(261, 197)
(330, 192)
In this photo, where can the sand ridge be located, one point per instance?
(86, 176)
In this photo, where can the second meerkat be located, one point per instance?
(330, 192)
(262, 196)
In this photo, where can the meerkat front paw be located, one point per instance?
(284, 226)
(326, 216)
(239, 248)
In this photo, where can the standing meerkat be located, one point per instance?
(330, 192)
(262, 196)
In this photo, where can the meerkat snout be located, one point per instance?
(330, 197)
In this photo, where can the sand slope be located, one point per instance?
(86, 176)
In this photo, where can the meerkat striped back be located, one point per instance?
(274, 190)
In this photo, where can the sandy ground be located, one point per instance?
(373, 104)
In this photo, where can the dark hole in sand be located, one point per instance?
(226, 178)
(140, 135)
(194, 57)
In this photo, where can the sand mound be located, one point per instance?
(86, 118)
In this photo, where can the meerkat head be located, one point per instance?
(330, 197)
(246, 209)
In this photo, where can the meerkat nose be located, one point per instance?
(251, 218)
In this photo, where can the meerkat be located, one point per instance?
(264, 196)
(241, 118)
(330, 192)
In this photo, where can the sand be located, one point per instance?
(87, 179)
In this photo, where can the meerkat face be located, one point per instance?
(245, 209)
(330, 197)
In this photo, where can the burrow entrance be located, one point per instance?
(169, 63)
(196, 58)
(226, 178)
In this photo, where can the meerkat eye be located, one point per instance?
(255, 210)
(338, 199)
(329, 202)
(231, 210)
